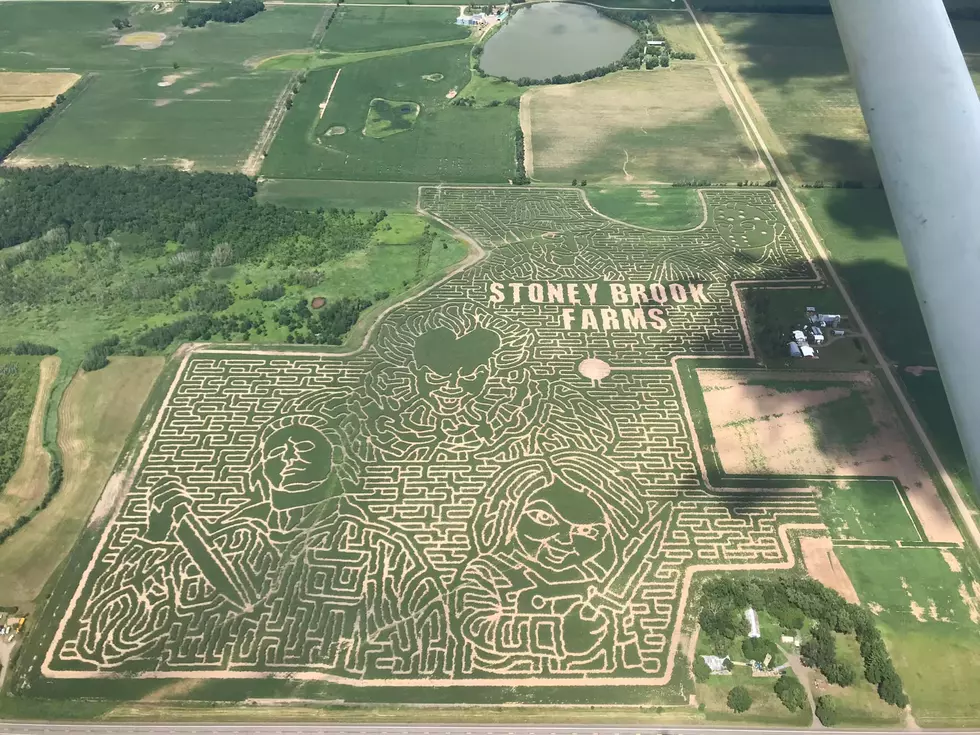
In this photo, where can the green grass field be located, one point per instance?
(373, 29)
(927, 627)
(207, 119)
(659, 208)
(360, 195)
(11, 123)
(389, 117)
(766, 707)
(871, 510)
(33, 36)
(447, 143)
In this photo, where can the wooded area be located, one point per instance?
(236, 11)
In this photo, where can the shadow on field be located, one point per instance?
(838, 156)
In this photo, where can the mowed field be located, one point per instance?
(638, 127)
(659, 208)
(202, 119)
(372, 29)
(927, 603)
(95, 417)
(32, 90)
(448, 142)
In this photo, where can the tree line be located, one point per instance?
(235, 11)
(56, 205)
(18, 389)
(29, 127)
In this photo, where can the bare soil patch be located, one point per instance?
(145, 40)
(822, 564)
(951, 561)
(318, 302)
(32, 90)
(29, 483)
(761, 430)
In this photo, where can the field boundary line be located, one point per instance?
(253, 163)
(961, 507)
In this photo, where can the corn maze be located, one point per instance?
(500, 487)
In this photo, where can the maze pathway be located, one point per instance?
(500, 488)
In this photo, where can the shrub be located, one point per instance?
(271, 293)
(826, 711)
(739, 699)
(840, 673)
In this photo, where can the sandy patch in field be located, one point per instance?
(951, 561)
(759, 430)
(163, 102)
(32, 90)
(875, 608)
(145, 40)
(183, 164)
(29, 483)
(200, 87)
(170, 79)
(631, 112)
(822, 564)
(972, 602)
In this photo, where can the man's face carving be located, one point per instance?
(452, 371)
(561, 528)
(296, 463)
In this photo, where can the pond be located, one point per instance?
(546, 39)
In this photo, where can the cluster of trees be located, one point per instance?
(583, 183)
(683, 55)
(120, 23)
(790, 692)
(520, 177)
(196, 327)
(18, 388)
(97, 356)
(270, 293)
(739, 699)
(826, 711)
(792, 601)
(326, 326)
(333, 14)
(28, 348)
(767, 326)
(820, 652)
(235, 11)
(199, 210)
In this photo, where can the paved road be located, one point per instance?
(119, 729)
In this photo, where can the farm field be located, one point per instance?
(463, 345)
(447, 142)
(20, 91)
(32, 37)
(11, 123)
(199, 119)
(96, 416)
(374, 29)
(655, 126)
(19, 376)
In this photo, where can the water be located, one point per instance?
(546, 39)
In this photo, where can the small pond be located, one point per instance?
(546, 39)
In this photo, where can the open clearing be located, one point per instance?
(640, 127)
(95, 417)
(157, 121)
(145, 40)
(659, 208)
(29, 483)
(32, 91)
(840, 429)
(446, 143)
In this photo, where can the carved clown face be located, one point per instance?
(451, 372)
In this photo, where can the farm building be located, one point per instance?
(753, 617)
(716, 663)
(794, 350)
